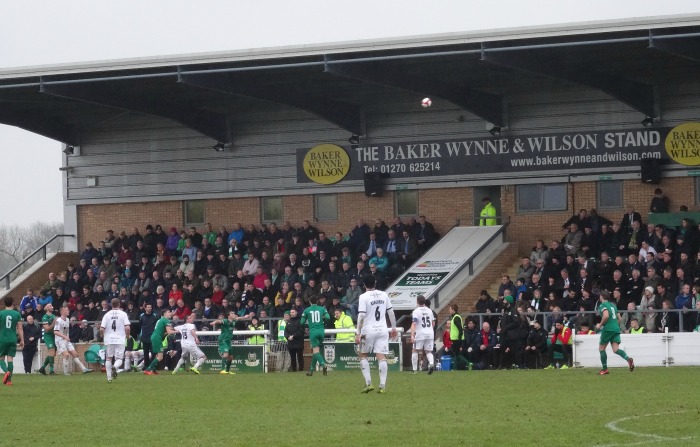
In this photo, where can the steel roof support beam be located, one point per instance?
(346, 116)
(635, 94)
(43, 124)
(488, 106)
(685, 48)
(212, 125)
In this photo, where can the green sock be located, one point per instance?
(3, 365)
(50, 359)
(604, 359)
(228, 365)
(320, 360)
(11, 368)
(313, 363)
(46, 361)
(154, 364)
(622, 354)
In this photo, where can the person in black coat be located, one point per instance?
(294, 333)
(667, 319)
(510, 332)
(536, 344)
(32, 333)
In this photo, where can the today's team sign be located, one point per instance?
(574, 151)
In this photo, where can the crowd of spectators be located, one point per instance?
(652, 272)
(259, 271)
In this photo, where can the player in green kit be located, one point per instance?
(227, 327)
(10, 327)
(48, 321)
(609, 328)
(163, 329)
(315, 317)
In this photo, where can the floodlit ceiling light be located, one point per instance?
(648, 121)
(354, 139)
(69, 150)
(495, 131)
(219, 147)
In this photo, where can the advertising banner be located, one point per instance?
(246, 358)
(343, 356)
(421, 279)
(574, 151)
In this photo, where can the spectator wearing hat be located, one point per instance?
(488, 213)
(659, 203)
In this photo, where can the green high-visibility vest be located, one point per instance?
(637, 331)
(454, 332)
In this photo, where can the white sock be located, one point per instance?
(66, 366)
(179, 363)
(200, 362)
(414, 361)
(127, 363)
(431, 361)
(383, 368)
(364, 366)
(140, 365)
(118, 363)
(108, 368)
(77, 361)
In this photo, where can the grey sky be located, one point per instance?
(48, 33)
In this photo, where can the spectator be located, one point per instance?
(539, 252)
(74, 330)
(359, 234)
(28, 304)
(86, 332)
(667, 319)
(630, 216)
(536, 345)
(32, 333)
(659, 203)
(294, 334)
(573, 239)
(526, 269)
(488, 213)
(560, 343)
(425, 234)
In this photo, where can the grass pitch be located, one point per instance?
(486, 408)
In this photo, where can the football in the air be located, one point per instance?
(427, 102)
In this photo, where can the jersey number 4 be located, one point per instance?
(114, 325)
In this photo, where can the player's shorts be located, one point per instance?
(425, 343)
(192, 351)
(225, 348)
(8, 349)
(116, 351)
(63, 346)
(375, 342)
(609, 337)
(50, 343)
(316, 338)
(157, 346)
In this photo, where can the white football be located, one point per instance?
(427, 102)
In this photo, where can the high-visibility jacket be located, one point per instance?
(488, 215)
(454, 331)
(256, 339)
(640, 330)
(344, 322)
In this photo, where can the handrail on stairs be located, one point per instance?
(42, 249)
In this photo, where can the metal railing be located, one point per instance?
(42, 249)
(590, 316)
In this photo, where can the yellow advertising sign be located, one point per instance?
(326, 164)
(683, 144)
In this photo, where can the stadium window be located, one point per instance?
(326, 207)
(550, 197)
(407, 203)
(272, 209)
(609, 194)
(194, 212)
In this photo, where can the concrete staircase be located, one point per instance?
(38, 274)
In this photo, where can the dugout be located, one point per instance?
(543, 120)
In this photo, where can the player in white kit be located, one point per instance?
(64, 347)
(373, 332)
(189, 342)
(115, 329)
(422, 336)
